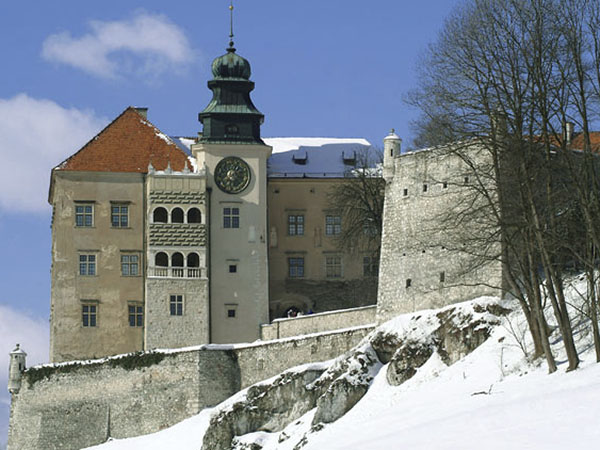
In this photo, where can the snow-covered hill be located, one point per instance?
(492, 398)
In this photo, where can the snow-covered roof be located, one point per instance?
(304, 157)
(312, 157)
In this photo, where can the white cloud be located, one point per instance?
(33, 335)
(146, 46)
(36, 135)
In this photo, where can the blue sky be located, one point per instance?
(322, 68)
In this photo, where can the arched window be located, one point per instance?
(160, 215)
(193, 260)
(177, 260)
(194, 216)
(161, 260)
(177, 215)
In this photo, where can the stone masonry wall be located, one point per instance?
(318, 323)
(75, 405)
(430, 258)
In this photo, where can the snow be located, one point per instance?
(324, 157)
(493, 398)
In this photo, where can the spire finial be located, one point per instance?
(231, 26)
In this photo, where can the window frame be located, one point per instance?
(333, 224)
(84, 214)
(176, 305)
(295, 224)
(119, 214)
(296, 267)
(130, 263)
(89, 314)
(231, 217)
(370, 266)
(135, 311)
(333, 266)
(87, 264)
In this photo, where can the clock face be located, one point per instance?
(232, 175)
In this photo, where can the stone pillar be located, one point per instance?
(15, 369)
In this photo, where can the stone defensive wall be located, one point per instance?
(439, 244)
(73, 405)
(318, 323)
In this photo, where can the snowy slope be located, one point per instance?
(493, 399)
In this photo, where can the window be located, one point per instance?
(295, 225)
(296, 267)
(87, 265)
(370, 266)
(232, 268)
(119, 216)
(445, 185)
(333, 266)
(405, 192)
(177, 215)
(231, 313)
(442, 277)
(160, 215)
(333, 225)
(466, 180)
(84, 215)
(89, 314)
(136, 315)
(408, 282)
(194, 215)
(176, 305)
(424, 188)
(130, 265)
(231, 217)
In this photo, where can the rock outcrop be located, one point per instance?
(333, 388)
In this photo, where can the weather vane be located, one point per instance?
(231, 23)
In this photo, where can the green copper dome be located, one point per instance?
(231, 65)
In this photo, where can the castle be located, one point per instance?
(161, 242)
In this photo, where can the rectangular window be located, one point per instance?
(119, 216)
(231, 313)
(424, 188)
(84, 215)
(231, 217)
(232, 268)
(296, 267)
(405, 192)
(130, 265)
(408, 282)
(333, 266)
(295, 225)
(89, 313)
(87, 265)
(370, 266)
(442, 277)
(333, 225)
(176, 305)
(445, 185)
(136, 315)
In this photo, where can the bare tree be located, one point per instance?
(359, 200)
(506, 75)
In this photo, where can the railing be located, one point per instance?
(175, 272)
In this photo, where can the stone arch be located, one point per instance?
(176, 260)
(193, 260)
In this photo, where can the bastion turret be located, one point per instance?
(15, 369)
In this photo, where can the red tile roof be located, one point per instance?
(577, 142)
(128, 144)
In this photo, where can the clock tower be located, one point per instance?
(235, 159)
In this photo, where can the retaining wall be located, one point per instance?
(75, 405)
(318, 323)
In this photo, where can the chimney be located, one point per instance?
(142, 111)
(569, 126)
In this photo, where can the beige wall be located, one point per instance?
(112, 335)
(315, 290)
